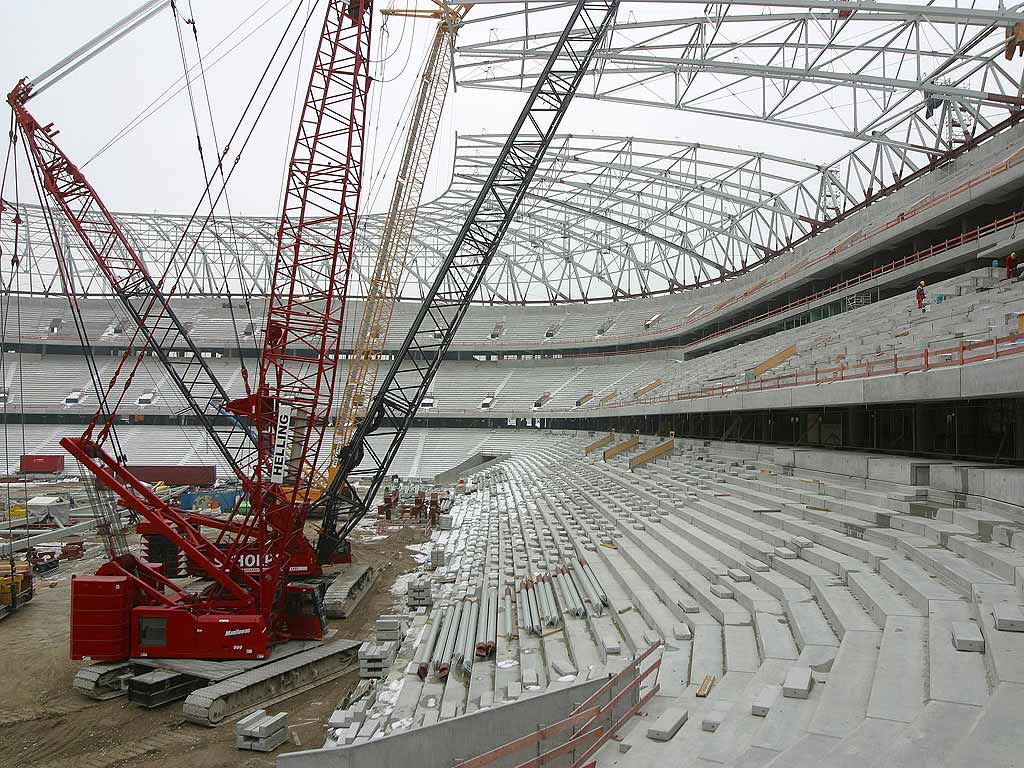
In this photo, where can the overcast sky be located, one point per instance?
(156, 167)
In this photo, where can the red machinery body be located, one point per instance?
(250, 598)
(201, 475)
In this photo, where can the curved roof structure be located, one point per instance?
(849, 100)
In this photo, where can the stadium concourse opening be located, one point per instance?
(610, 384)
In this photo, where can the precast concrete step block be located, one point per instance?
(722, 592)
(688, 605)
(798, 683)
(967, 636)
(762, 703)
(1009, 617)
(737, 575)
(666, 726)
(268, 744)
(713, 718)
(785, 553)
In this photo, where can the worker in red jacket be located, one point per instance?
(920, 296)
(1011, 264)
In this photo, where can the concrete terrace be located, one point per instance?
(829, 596)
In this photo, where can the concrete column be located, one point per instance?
(1018, 428)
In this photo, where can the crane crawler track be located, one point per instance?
(271, 682)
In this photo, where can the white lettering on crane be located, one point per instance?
(282, 440)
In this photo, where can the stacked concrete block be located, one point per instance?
(375, 659)
(444, 522)
(437, 559)
(420, 594)
(391, 628)
(261, 732)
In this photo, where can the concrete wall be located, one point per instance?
(451, 741)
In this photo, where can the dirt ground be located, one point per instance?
(45, 724)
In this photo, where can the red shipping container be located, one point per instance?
(173, 474)
(37, 464)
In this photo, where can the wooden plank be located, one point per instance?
(609, 397)
(622, 447)
(599, 443)
(585, 399)
(776, 359)
(649, 388)
(705, 687)
(653, 453)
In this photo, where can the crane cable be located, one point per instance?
(5, 319)
(202, 159)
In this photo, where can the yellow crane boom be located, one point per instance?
(398, 226)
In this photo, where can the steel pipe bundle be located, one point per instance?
(584, 587)
(466, 627)
(492, 622)
(423, 653)
(487, 626)
(529, 608)
(547, 591)
(451, 637)
(567, 594)
(442, 636)
(470, 618)
(507, 613)
(597, 584)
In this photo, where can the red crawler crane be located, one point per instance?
(131, 608)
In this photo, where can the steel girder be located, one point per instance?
(870, 92)
(604, 217)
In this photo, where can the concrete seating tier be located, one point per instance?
(747, 569)
(870, 334)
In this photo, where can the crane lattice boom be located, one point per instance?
(459, 276)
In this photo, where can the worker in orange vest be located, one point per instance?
(1011, 263)
(920, 296)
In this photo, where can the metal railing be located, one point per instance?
(963, 353)
(590, 725)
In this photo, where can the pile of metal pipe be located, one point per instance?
(569, 597)
(423, 653)
(467, 634)
(586, 588)
(546, 597)
(441, 660)
(597, 584)
(509, 627)
(487, 625)
(529, 611)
